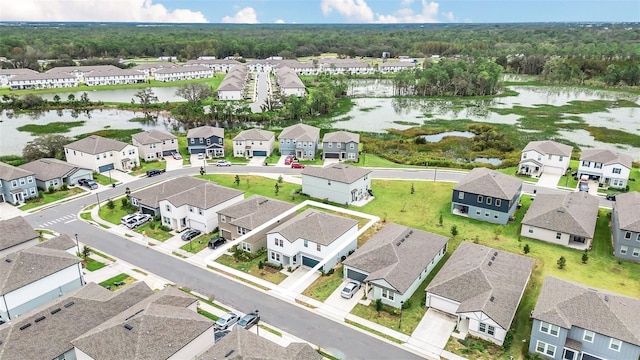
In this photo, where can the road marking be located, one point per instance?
(66, 222)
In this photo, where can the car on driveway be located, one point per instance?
(176, 156)
(248, 320)
(351, 288)
(127, 219)
(216, 242)
(137, 220)
(611, 197)
(227, 320)
(88, 183)
(583, 186)
(296, 165)
(190, 234)
(223, 163)
(201, 156)
(288, 160)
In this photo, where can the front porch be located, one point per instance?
(461, 210)
(579, 243)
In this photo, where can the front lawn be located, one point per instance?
(153, 230)
(512, 171)
(117, 282)
(183, 148)
(258, 185)
(251, 267)
(93, 265)
(49, 198)
(198, 244)
(113, 215)
(151, 165)
(207, 314)
(325, 285)
(104, 180)
(371, 160)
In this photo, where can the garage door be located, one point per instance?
(442, 304)
(260, 153)
(146, 210)
(554, 170)
(225, 234)
(331, 155)
(309, 262)
(107, 167)
(356, 275)
(197, 225)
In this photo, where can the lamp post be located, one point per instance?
(77, 243)
(258, 322)
(97, 197)
(110, 176)
(401, 306)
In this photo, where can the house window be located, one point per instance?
(32, 191)
(166, 220)
(330, 145)
(487, 329)
(190, 208)
(615, 344)
(524, 155)
(193, 141)
(318, 247)
(549, 156)
(617, 170)
(486, 214)
(627, 235)
(246, 247)
(352, 146)
(220, 140)
(460, 195)
(168, 208)
(275, 241)
(597, 165)
(560, 158)
(275, 256)
(588, 336)
(208, 141)
(638, 237)
(549, 328)
(338, 145)
(14, 183)
(498, 202)
(480, 198)
(200, 211)
(281, 243)
(586, 163)
(30, 180)
(200, 140)
(636, 252)
(223, 218)
(623, 249)
(546, 349)
(478, 212)
(306, 243)
(489, 200)
(98, 157)
(558, 235)
(387, 294)
(134, 201)
(495, 215)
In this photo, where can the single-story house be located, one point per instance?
(395, 261)
(482, 287)
(17, 235)
(625, 226)
(342, 184)
(565, 219)
(299, 140)
(61, 242)
(341, 145)
(16, 184)
(101, 154)
(206, 140)
(155, 144)
(607, 167)
(54, 172)
(147, 199)
(544, 156)
(253, 142)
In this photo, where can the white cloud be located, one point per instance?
(429, 14)
(352, 10)
(279, 21)
(96, 10)
(449, 16)
(244, 16)
(406, 2)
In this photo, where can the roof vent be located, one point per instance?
(489, 263)
(493, 258)
(69, 304)
(229, 353)
(399, 243)
(492, 298)
(40, 318)
(495, 253)
(134, 314)
(25, 326)
(7, 260)
(128, 327)
(55, 311)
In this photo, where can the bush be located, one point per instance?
(454, 231)
(330, 272)
(165, 228)
(406, 304)
(260, 265)
(51, 189)
(508, 339)
(152, 225)
(274, 266)
(40, 194)
(125, 202)
(526, 249)
(65, 187)
(110, 204)
(156, 218)
(378, 305)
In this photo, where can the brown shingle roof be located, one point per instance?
(205, 132)
(549, 147)
(300, 132)
(606, 157)
(152, 136)
(574, 213)
(254, 211)
(8, 172)
(468, 278)
(627, 208)
(204, 196)
(255, 134)
(15, 231)
(95, 144)
(341, 137)
(152, 195)
(47, 169)
(487, 182)
(60, 242)
(337, 172)
(567, 304)
(316, 226)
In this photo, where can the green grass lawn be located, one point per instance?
(183, 149)
(151, 165)
(259, 185)
(198, 244)
(86, 216)
(512, 172)
(49, 198)
(317, 161)
(93, 265)
(251, 267)
(104, 179)
(126, 279)
(324, 285)
(56, 127)
(155, 233)
(372, 160)
(113, 215)
(207, 314)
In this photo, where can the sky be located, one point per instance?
(321, 11)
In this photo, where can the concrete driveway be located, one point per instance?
(291, 283)
(549, 180)
(434, 329)
(328, 162)
(339, 307)
(257, 161)
(173, 164)
(8, 211)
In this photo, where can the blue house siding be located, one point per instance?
(200, 145)
(484, 208)
(626, 244)
(18, 190)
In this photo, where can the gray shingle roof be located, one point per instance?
(183, 69)
(95, 144)
(154, 65)
(549, 147)
(15, 231)
(400, 265)
(255, 134)
(8, 172)
(205, 132)
(241, 344)
(47, 169)
(567, 304)
(300, 132)
(627, 208)
(316, 226)
(487, 182)
(60, 242)
(574, 213)
(337, 172)
(254, 211)
(204, 196)
(468, 278)
(152, 195)
(341, 137)
(152, 136)
(606, 157)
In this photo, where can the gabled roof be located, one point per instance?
(46, 169)
(153, 136)
(95, 144)
(152, 195)
(255, 134)
(254, 211)
(397, 254)
(316, 226)
(337, 172)
(341, 137)
(8, 72)
(30, 265)
(606, 157)
(8, 172)
(549, 147)
(15, 231)
(567, 304)
(574, 213)
(203, 196)
(154, 65)
(205, 132)
(300, 132)
(487, 182)
(495, 289)
(627, 208)
(60, 242)
(183, 69)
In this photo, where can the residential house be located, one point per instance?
(113, 76)
(342, 184)
(53, 173)
(6, 74)
(101, 154)
(183, 73)
(565, 219)
(545, 156)
(233, 85)
(625, 226)
(300, 68)
(395, 66)
(341, 145)
(395, 261)
(61, 242)
(609, 168)
(218, 65)
(16, 184)
(289, 83)
(155, 144)
(482, 287)
(253, 142)
(34, 276)
(149, 69)
(575, 322)
(300, 140)
(197, 207)
(243, 344)
(487, 195)
(244, 216)
(41, 81)
(17, 235)
(206, 140)
(312, 238)
(148, 199)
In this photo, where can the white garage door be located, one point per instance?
(554, 170)
(442, 304)
(197, 225)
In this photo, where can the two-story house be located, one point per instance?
(609, 168)
(395, 261)
(53, 172)
(17, 235)
(206, 140)
(300, 140)
(155, 144)
(566, 219)
(101, 154)
(487, 195)
(342, 184)
(625, 226)
(575, 322)
(341, 145)
(289, 83)
(16, 184)
(545, 156)
(148, 199)
(312, 238)
(253, 142)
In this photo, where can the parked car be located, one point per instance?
(227, 320)
(350, 289)
(201, 156)
(223, 163)
(127, 218)
(288, 160)
(88, 183)
(190, 234)
(583, 186)
(216, 242)
(155, 172)
(137, 220)
(248, 320)
(176, 156)
(611, 197)
(296, 165)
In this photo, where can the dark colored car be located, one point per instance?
(611, 197)
(248, 320)
(216, 242)
(583, 186)
(190, 234)
(155, 172)
(296, 165)
(88, 183)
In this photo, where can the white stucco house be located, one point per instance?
(310, 237)
(342, 184)
(155, 144)
(101, 154)
(544, 156)
(607, 167)
(253, 142)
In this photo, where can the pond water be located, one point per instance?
(492, 161)
(440, 136)
(120, 95)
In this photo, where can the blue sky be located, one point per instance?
(322, 11)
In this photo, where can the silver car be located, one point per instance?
(226, 321)
(351, 288)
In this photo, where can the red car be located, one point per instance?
(288, 160)
(297, 166)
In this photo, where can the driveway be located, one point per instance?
(336, 302)
(173, 164)
(549, 180)
(257, 161)
(328, 162)
(291, 282)
(434, 329)
(8, 211)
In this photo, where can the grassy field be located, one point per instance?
(151, 165)
(121, 278)
(251, 267)
(113, 215)
(372, 160)
(49, 198)
(93, 265)
(259, 185)
(183, 149)
(324, 286)
(56, 127)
